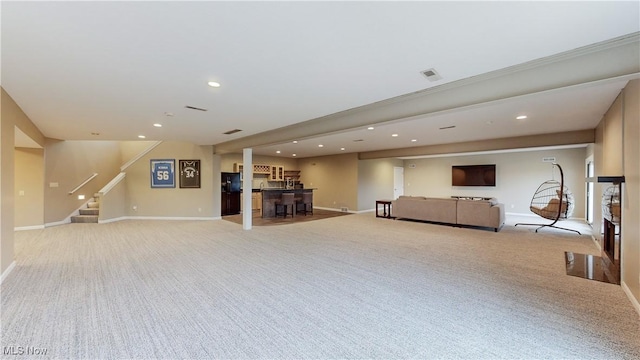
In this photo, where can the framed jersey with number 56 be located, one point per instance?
(163, 173)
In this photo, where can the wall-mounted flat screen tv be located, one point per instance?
(473, 175)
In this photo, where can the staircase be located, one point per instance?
(90, 214)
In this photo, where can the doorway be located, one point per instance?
(398, 181)
(590, 172)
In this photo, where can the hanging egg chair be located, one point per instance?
(611, 204)
(552, 201)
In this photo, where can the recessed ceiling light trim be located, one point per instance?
(213, 84)
(521, 117)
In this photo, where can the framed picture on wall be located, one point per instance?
(163, 173)
(190, 174)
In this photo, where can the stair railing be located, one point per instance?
(112, 183)
(83, 183)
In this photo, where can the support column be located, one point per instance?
(247, 177)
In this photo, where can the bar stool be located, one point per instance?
(307, 200)
(285, 201)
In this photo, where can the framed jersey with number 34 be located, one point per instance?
(163, 173)
(189, 173)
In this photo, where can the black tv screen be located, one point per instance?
(473, 175)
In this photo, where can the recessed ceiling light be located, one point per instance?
(142, 136)
(213, 84)
(414, 140)
(521, 117)
(295, 141)
(277, 151)
(157, 125)
(294, 155)
(341, 149)
(370, 128)
(394, 135)
(320, 145)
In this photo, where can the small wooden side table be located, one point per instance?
(386, 208)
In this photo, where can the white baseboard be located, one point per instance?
(63, 222)
(7, 271)
(168, 218)
(334, 209)
(632, 298)
(33, 227)
(365, 211)
(106, 221)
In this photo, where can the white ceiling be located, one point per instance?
(116, 68)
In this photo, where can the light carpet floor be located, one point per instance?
(346, 287)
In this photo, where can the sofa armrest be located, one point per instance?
(481, 213)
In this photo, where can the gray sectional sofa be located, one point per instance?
(484, 212)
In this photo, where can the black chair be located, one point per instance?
(306, 202)
(285, 201)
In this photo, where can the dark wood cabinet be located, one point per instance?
(230, 203)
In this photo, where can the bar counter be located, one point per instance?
(271, 195)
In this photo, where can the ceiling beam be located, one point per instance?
(605, 60)
(520, 142)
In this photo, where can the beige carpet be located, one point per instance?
(346, 287)
(257, 220)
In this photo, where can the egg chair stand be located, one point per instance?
(552, 201)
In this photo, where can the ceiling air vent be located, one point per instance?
(431, 74)
(447, 127)
(232, 131)
(358, 140)
(195, 108)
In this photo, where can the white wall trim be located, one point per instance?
(7, 271)
(106, 221)
(32, 227)
(112, 183)
(169, 218)
(137, 157)
(365, 211)
(334, 209)
(57, 223)
(632, 298)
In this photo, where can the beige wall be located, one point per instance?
(620, 129)
(170, 202)
(612, 138)
(131, 149)
(631, 190)
(69, 164)
(29, 187)
(336, 180)
(113, 203)
(518, 176)
(375, 181)
(11, 116)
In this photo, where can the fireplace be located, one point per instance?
(605, 268)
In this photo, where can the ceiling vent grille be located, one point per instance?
(431, 75)
(447, 127)
(195, 108)
(232, 131)
(358, 140)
